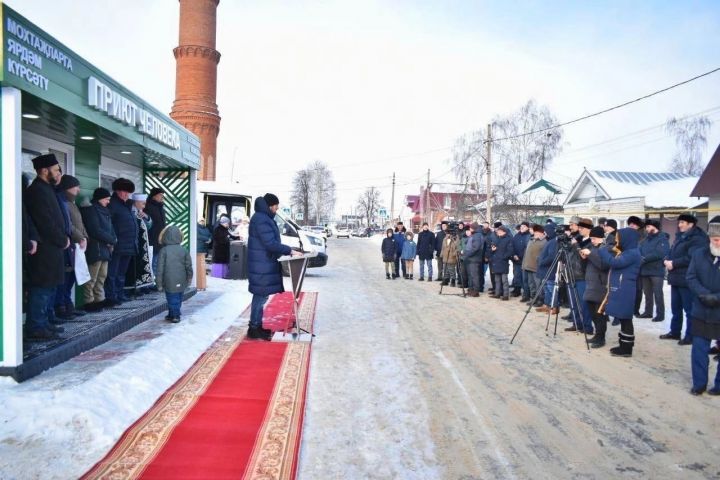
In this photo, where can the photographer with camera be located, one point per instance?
(580, 314)
(449, 255)
(530, 263)
(596, 273)
(439, 238)
(545, 261)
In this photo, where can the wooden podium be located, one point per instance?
(297, 266)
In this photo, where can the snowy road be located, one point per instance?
(406, 383)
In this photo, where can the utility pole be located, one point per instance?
(488, 193)
(428, 211)
(392, 202)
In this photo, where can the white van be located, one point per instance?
(216, 199)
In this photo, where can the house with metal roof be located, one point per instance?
(620, 194)
(708, 185)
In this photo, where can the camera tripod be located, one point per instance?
(564, 276)
(458, 274)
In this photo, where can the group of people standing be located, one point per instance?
(609, 271)
(120, 236)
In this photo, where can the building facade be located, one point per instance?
(620, 194)
(709, 184)
(54, 101)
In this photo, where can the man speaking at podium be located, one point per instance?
(264, 271)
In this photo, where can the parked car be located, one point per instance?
(342, 233)
(317, 229)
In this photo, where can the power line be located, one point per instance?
(644, 97)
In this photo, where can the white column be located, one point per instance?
(193, 223)
(11, 228)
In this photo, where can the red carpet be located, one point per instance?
(237, 413)
(279, 312)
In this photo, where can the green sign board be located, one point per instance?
(36, 63)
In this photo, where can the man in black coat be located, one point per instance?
(688, 240)
(473, 257)
(46, 267)
(520, 242)
(703, 278)
(126, 229)
(653, 250)
(438, 249)
(155, 209)
(425, 251)
(638, 225)
(101, 242)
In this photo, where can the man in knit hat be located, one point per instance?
(610, 226)
(703, 278)
(101, 241)
(653, 250)
(68, 191)
(595, 284)
(264, 271)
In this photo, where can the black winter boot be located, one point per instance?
(387, 275)
(597, 341)
(627, 342)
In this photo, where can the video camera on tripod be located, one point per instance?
(452, 229)
(564, 241)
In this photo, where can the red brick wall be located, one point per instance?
(196, 79)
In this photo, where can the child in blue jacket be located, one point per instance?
(409, 251)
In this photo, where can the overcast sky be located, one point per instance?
(376, 87)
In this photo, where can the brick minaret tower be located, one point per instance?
(196, 79)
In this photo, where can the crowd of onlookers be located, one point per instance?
(600, 273)
(112, 248)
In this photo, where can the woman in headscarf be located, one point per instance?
(221, 248)
(139, 278)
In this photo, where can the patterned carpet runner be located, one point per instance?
(237, 413)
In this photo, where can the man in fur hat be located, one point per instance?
(126, 230)
(688, 240)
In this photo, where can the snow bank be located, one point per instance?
(62, 422)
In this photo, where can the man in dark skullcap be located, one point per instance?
(46, 268)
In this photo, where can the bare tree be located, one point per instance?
(369, 204)
(313, 193)
(517, 157)
(691, 139)
(300, 197)
(322, 186)
(521, 158)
